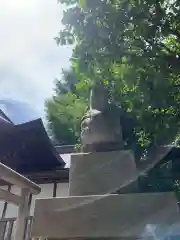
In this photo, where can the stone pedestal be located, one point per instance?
(92, 212)
(105, 216)
(101, 172)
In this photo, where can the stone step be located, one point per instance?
(142, 215)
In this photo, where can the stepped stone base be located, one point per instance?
(101, 172)
(107, 216)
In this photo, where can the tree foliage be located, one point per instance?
(66, 108)
(134, 46)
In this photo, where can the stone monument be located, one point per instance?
(93, 210)
(101, 129)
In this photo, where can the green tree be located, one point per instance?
(66, 108)
(134, 46)
(67, 83)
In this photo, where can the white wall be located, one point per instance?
(46, 191)
(12, 210)
(62, 190)
(2, 202)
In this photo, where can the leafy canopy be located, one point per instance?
(66, 108)
(134, 46)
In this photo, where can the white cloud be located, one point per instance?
(30, 58)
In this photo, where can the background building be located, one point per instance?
(27, 149)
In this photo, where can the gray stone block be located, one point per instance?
(101, 172)
(107, 216)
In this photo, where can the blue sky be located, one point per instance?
(30, 60)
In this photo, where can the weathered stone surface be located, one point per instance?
(107, 216)
(101, 172)
(100, 125)
(98, 128)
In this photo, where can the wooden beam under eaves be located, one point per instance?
(9, 197)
